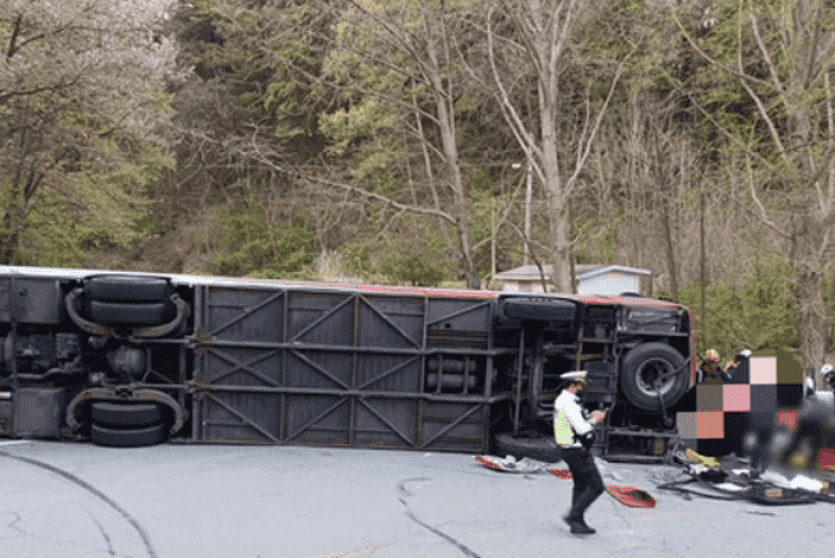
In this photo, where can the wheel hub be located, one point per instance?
(654, 376)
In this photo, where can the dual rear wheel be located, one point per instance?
(127, 424)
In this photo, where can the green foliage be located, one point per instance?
(761, 39)
(52, 237)
(91, 208)
(204, 6)
(416, 268)
(416, 257)
(86, 121)
(252, 246)
(757, 316)
(360, 120)
(467, 102)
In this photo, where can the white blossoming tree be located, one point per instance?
(83, 124)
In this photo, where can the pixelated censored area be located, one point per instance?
(686, 425)
(736, 397)
(757, 390)
(763, 371)
(709, 397)
(763, 398)
(701, 425)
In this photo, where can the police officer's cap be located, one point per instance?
(579, 375)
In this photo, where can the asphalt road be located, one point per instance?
(176, 501)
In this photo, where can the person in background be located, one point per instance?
(828, 376)
(815, 426)
(574, 434)
(711, 372)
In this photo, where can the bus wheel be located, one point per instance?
(127, 437)
(126, 415)
(533, 445)
(650, 368)
(127, 288)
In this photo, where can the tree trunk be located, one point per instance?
(670, 249)
(9, 244)
(811, 318)
(559, 212)
(446, 122)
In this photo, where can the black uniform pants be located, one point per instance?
(588, 484)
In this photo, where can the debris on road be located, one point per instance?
(509, 464)
(628, 495)
(768, 488)
(631, 496)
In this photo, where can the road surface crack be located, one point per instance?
(64, 542)
(95, 492)
(405, 493)
(401, 486)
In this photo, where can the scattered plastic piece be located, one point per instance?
(509, 464)
(775, 478)
(561, 473)
(631, 496)
(698, 459)
(730, 487)
(805, 483)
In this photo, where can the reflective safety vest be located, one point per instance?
(569, 419)
(563, 434)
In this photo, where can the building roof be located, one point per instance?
(584, 271)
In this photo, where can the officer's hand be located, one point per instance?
(731, 364)
(597, 417)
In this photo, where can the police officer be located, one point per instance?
(574, 434)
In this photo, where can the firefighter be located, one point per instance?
(711, 372)
(574, 433)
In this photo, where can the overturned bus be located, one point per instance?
(130, 359)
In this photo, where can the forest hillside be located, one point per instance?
(435, 142)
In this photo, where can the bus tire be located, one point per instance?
(127, 437)
(127, 288)
(126, 415)
(643, 365)
(538, 309)
(129, 313)
(533, 445)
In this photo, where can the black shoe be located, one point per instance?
(578, 527)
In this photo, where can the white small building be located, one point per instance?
(591, 279)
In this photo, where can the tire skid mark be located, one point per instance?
(463, 548)
(406, 493)
(104, 534)
(146, 540)
(401, 486)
